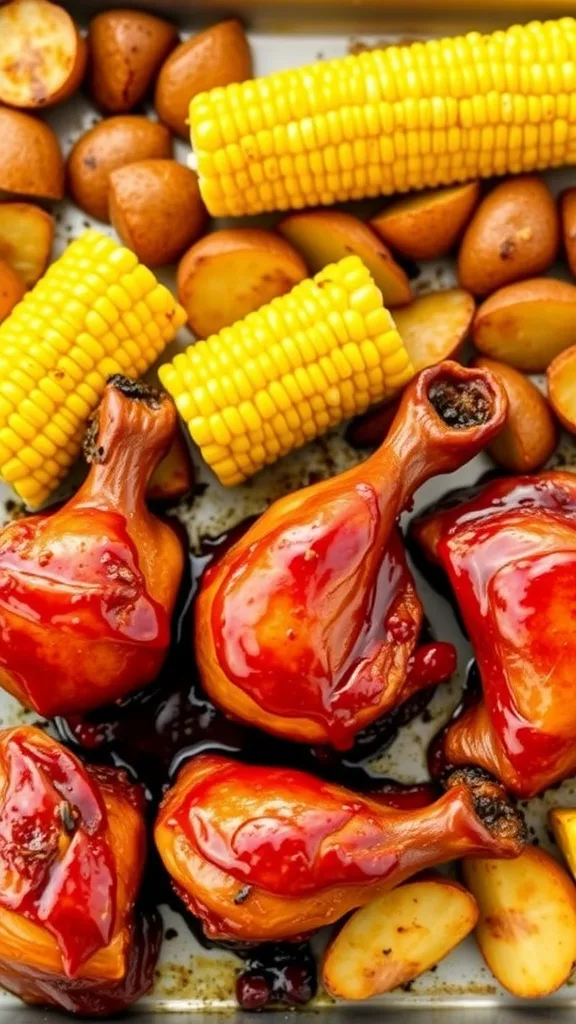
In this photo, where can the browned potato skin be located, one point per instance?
(218, 56)
(514, 234)
(38, 97)
(112, 143)
(568, 218)
(127, 49)
(31, 162)
(26, 237)
(11, 289)
(174, 475)
(427, 225)
(370, 429)
(562, 388)
(156, 209)
(529, 436)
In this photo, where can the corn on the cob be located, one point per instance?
(96, 312)
(288, 372)
(407, 117)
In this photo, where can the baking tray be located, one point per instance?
(190, 978)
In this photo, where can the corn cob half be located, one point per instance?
(385, 121)
(288, 372)
(96, 311)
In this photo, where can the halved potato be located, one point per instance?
(230, 273)
(562, 388)
(326, 236)
(31, 161)
(174, 476)
(127, 49)
(435, 326)
(11, 289)
(42, 54)
(527, 926)
(26, 236)
(563, 824)
(427, 225)
(529, 436)
(527, 324)
(396, 937)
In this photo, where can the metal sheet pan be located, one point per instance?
(190, 978)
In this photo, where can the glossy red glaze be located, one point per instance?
(510, 554)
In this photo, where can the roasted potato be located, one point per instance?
(26, 236)
(529, 436)
(527, 324)
(514, 234)
(42, 54)
(427, 225)
(11, 289)
(218, 56)
(568, 219)
(127, 49)
(563, 824)
(397, 936)
(527, 926)
(156, 209)
(562, 388)
(174, 476)
(230, 273)
(370, 429)
(31, 162)
(326, 236)
(435, 326)
(111, 144)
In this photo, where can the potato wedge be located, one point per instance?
(527, 926)
(435, 326)
(563, 824)
(156, 209)
(127, 49)
(26, 236)
(396, 937)
(174, 476)
(218, 56)
(42, 54)
(326, 236)
(11, 289)
(568, 220)
(230, 273)
(514, 234)
(427, 225)
(31, 162)
(527, 324)
(562, 388)
(111, 144)
(529, 436)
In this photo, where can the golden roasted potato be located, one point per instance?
(527, 926)
(568, 219)
(514, 234)
(42, 54)
(26, 236)
(326, 236)
(562, 388)
(31, 162)
(529, 436)
(427, 225)
(563, 824)
(527, 324)
(435, 326)
(230, 273)
(127, 49)
(174, 476)
(218, 56)
(11, 289)
(112, 143)
(397, 936)
(156, 209)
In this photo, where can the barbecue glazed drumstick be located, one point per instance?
(264, 854)
(87, 592)
(307, 627)
(510, 554)
(72, 850)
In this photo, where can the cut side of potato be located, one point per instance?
(31, 161)
(26, 236)
(527, 926)
(563, 824)
(396, 937)
(127, 49)
(174, 476)
(527, 324)
(562, 388)
(11, 289)
(326, 236)
(42, 54)
(427, 225)
(230, 273)
(435, 326)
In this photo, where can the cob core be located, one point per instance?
(96, 312)
(288, 372)
(405, 117)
